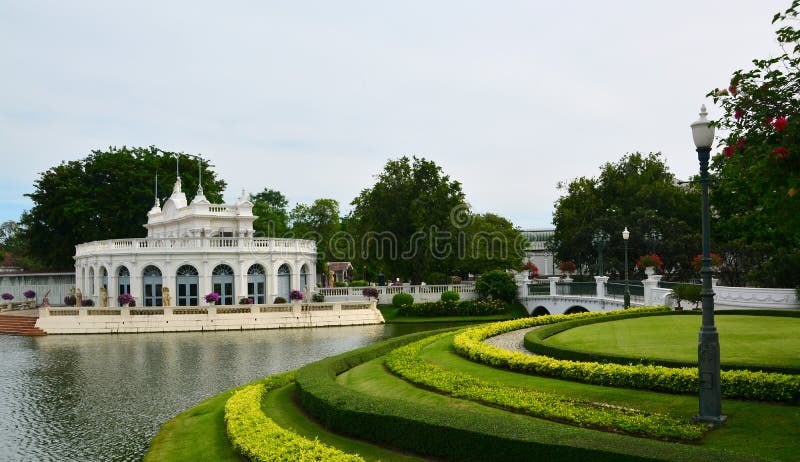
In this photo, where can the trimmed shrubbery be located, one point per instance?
(761, 386)
(406, 363)
(402, 299)
(496, 285)
(450, 296)
(469, 308)
(258, 438)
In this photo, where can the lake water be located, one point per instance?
(103, 397)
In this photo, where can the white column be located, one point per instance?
(649, 284)
(553, 280)
(601, 285)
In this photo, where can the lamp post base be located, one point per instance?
(716, 421)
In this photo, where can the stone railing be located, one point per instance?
(213, 310)
(158, 245)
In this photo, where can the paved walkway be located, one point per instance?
(511, 341)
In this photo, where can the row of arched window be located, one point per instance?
(187, 282)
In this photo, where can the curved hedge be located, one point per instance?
(460, 433)
(762, 386)
(256, 437)
(406, 363)
(535, 342)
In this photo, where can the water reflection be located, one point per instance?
(102, 397)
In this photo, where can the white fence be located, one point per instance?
(421, 293)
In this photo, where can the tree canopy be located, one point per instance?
(757, 173)
(319, 222)
(270, 208)
(637, 192)
(415, 221)
(105, 195)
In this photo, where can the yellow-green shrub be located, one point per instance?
(258, 438)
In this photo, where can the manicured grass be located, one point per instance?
(391, 315)
(763, 429)
(195, 434)
(279, 405)
(750, 340)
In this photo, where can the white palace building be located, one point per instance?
(193, 249)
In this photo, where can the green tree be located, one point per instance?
(496, 285)
(270, 208)
(487, 243)
(403, 224)
(639, 193)
(106, 195)
(319, 222)
(757, 174)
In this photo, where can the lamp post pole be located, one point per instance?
(600, 239)
(627, 298)
(708, 339)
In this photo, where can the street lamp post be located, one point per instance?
(627, 300)
(600, 239)
(708, 341)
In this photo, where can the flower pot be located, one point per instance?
(649, 271)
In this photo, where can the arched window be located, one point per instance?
(257, 284)
(151, 285)
(187, 281)
(284, 281)
(304, 277)
(222, 283)
(123, 281)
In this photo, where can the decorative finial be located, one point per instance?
(156, 204)
(703, 112)
(177, 164)
(199, 176)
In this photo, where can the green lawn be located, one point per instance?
(750, 340)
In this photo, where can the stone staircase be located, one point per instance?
(20, 325)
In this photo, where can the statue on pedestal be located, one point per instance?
(166, 300)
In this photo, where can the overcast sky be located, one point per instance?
(312, 98)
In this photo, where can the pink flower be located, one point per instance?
(728, 151)
(740, 143)
(738, 114)
(781, 152)
(780, 123)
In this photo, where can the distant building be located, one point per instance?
(192, 250)
(537, 250)
(342, 271)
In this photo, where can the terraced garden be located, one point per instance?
(450, 395)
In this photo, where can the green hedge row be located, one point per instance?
(761, 386)
(535, 342)
(453, 308)
(258, 438)
(459, 433)
(407, 364)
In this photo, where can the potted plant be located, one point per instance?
(212, 298)
(716, 261)
(7, 297)
(533, 270)
(30, 295)
(296, 296)
(317, 297)
(370, 292)
(567, 268)
(649, 263)
(70, 300)
(126, 300)
(245, 301)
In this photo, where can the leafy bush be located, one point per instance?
(70, 300)
(370, 292)
(402, 299)
(436, 278)
(450, 296)
(339, 284)
(760, 386)
(688, 292)
(245, 301)
(496, 285)
(359, 283)
(279, 300)
(295, 295)
(123, 299)
(258, 438)
(468, 308)
(87, 302)
(407, 363)
(317, 297)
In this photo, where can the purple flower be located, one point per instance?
(29, 294)
(7, 296)
(212, 297)
(296, 295)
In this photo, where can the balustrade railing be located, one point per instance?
(159, 243)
